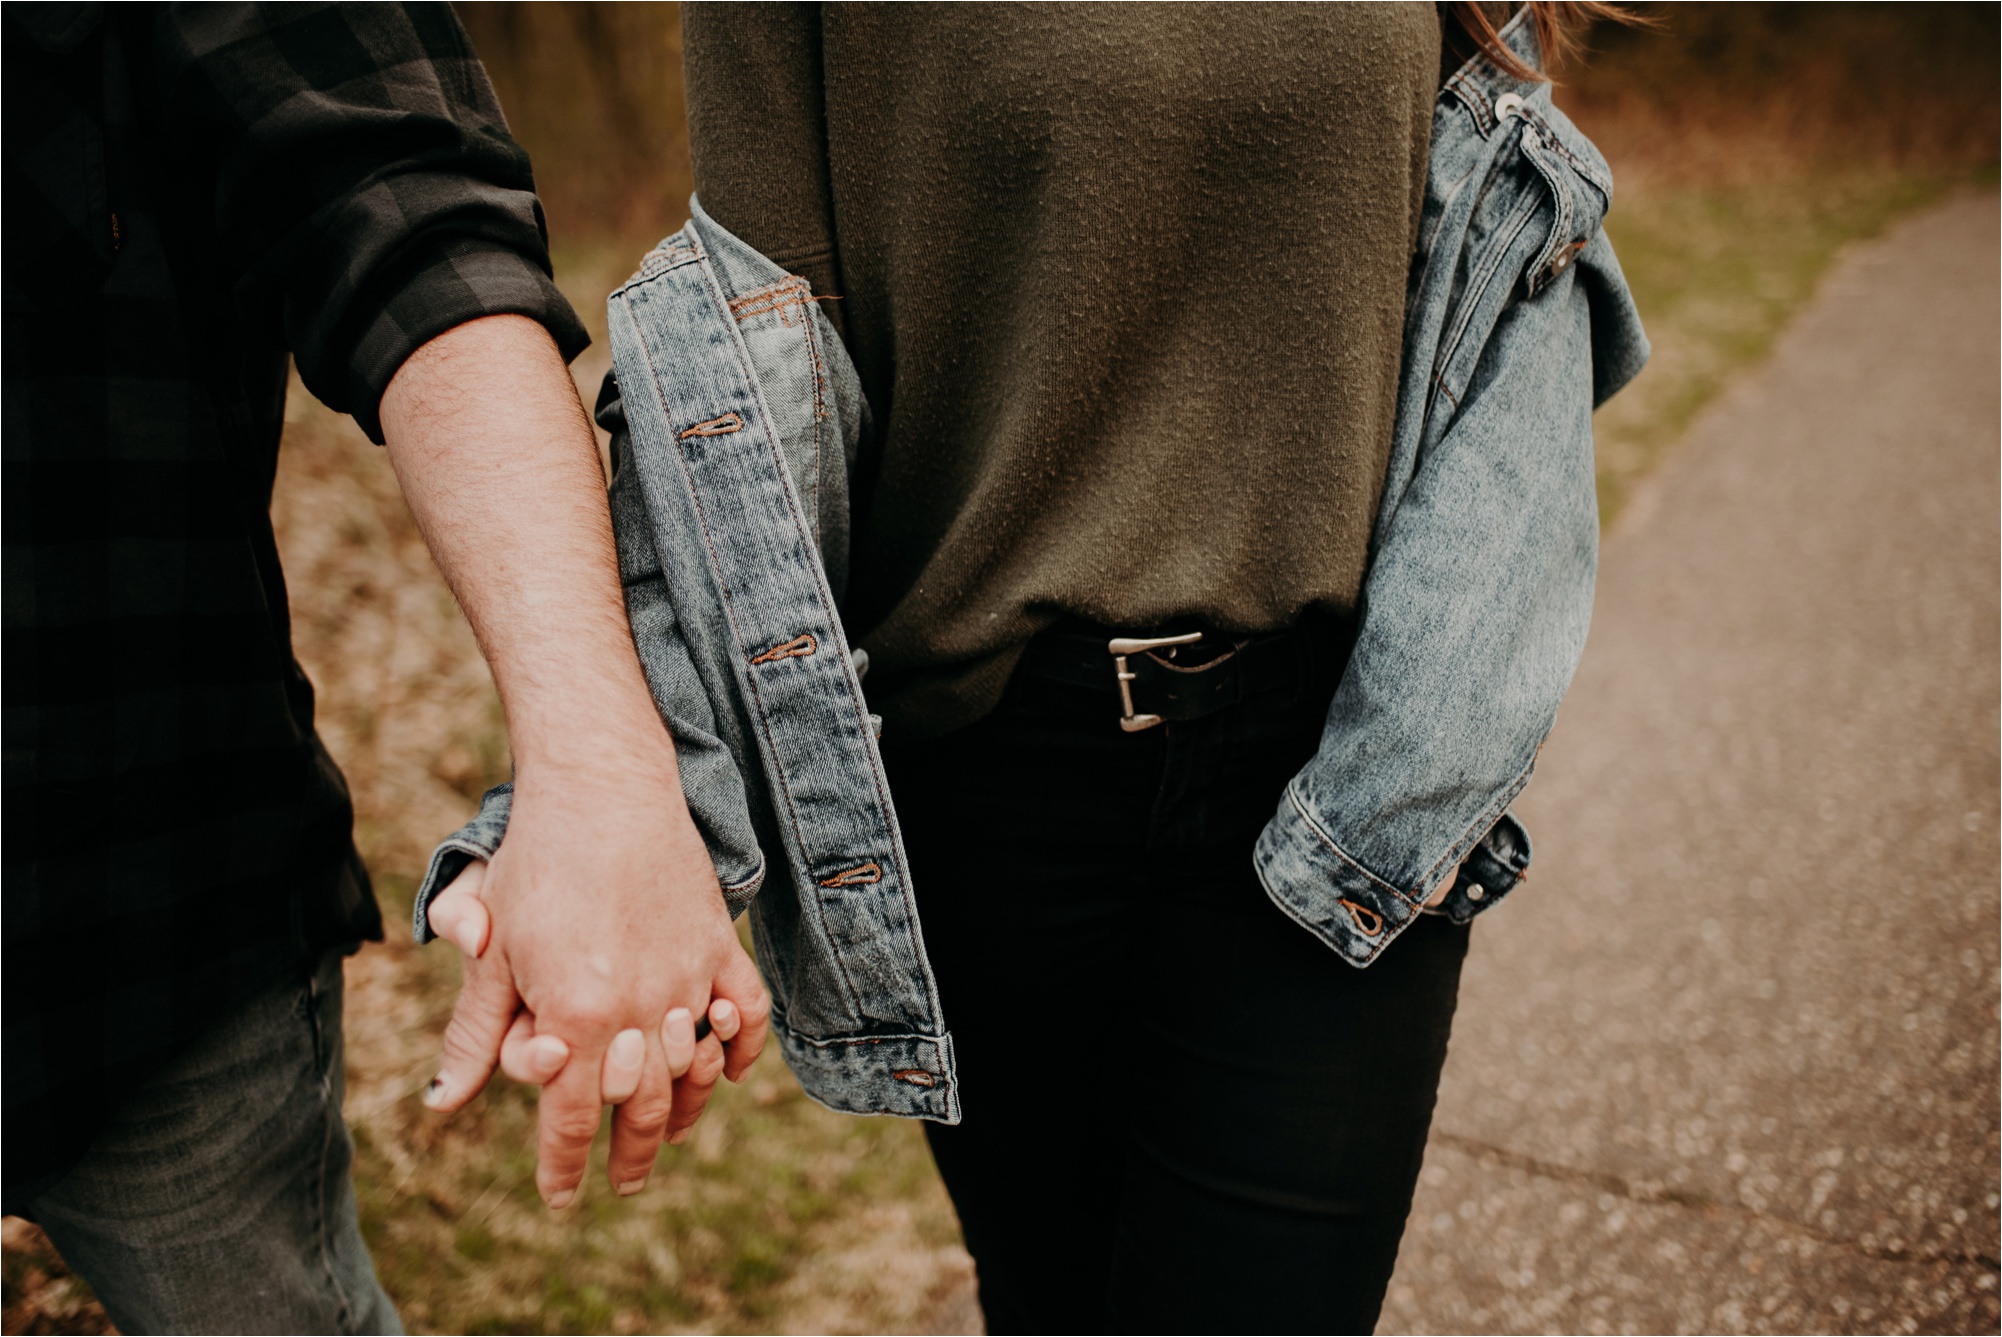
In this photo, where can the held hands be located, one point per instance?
(597, 938)
(596, 945)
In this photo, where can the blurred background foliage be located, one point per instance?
(593, 91)
(1750, 143)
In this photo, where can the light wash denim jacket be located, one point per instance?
(737, 418)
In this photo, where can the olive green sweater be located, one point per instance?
(1125, 285)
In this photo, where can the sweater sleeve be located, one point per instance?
(365, 192)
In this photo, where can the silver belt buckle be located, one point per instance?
(1119, 647)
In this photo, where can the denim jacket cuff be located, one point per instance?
(478, 839)
(1498, 863)
(1329, 893)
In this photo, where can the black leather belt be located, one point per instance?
(1182, 677)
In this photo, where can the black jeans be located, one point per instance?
(217, 1198)
(1182, 1112)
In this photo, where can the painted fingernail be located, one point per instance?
(628, 1049)
(434, 1094)
(630, 1187)
(558, 1201)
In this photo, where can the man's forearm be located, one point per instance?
(603, 925)
(500, 466)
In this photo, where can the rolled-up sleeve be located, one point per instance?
(366, 194)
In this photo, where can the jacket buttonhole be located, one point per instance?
(722, 426)
(915, 1076)
(859, 876)
(799, 647)
(1367, 921)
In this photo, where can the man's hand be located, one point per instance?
(459, 915)
(600, 1006)
(600, 926)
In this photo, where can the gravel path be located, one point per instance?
(1729, 1062)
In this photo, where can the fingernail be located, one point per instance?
(628, 1049)
(558, 1201)
(462, 938)
(547, 1054)
(630, 1187)
(678, 1138)
(434, 1094)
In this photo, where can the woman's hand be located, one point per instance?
(1438, 895)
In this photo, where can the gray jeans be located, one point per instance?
(217, 1199)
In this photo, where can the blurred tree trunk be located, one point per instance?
(593, 91)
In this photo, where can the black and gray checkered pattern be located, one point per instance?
(193, 192)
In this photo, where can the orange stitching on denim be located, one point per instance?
(722, 426)
(915, 1076)
(1358, 913)
(1300, 807)
(799, 647)
(820, 414)
(790, 292)
(707, 279)
(855, 877)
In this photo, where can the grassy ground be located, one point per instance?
(778, 1215)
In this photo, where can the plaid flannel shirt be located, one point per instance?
(193, 192)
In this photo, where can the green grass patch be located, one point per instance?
(463, 1243)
